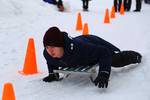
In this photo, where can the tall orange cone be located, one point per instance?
(8, 92)
(85, 29)
(106, 19)
(122, 9)
(30, 65)
(113, 12)
(79, 22)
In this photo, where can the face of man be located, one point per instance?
(55, 52)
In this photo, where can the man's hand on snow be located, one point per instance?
(51, 77)
(102, 80)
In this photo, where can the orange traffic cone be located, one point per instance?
(30, 66)
(122, 9)
(85, 29)
(79, 22)
(113, 12)
(106, 19)
(8, 92)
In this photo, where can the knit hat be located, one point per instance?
(53, 37)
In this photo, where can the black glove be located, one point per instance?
(51, 77)
(102, 80)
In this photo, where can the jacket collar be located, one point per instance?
(69, 45)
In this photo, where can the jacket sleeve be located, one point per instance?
(103, 56)
(50, 68)
(105, 59)
(49, 65)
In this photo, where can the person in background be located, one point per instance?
(51, 1)
(127, 5)
(58, 3)
(147, 1)
(138, 6)
(60, 50)
(85, 4)
(117, 5)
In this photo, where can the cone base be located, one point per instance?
(21, 72)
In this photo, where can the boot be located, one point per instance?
(125, 58)
(136, 10)
(85, 8)
(60, 5)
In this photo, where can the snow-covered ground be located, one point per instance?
(22, 19)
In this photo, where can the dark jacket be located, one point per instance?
(83, 51)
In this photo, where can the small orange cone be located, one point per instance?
(106, 19)
(122, 9)
(113, 12)
(79, 22)
(8, 92)
(30, 65)
(85, 30)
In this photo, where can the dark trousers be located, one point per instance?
(138, 4)
(127, 5)
(117, 5)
